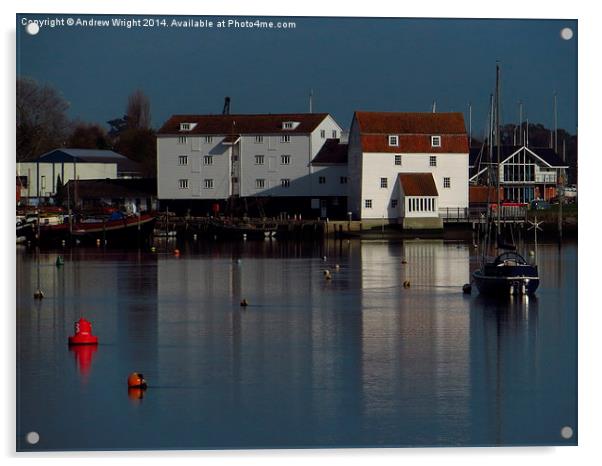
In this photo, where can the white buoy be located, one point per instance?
(324, 258)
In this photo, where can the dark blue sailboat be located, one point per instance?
(509, 273)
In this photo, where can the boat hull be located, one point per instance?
(505, 285)
(126, 230)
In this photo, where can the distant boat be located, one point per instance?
(115, 227)
(241, 230)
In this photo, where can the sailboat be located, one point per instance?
(508, 273)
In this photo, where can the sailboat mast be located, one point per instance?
(498, 142)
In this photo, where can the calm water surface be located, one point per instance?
(354, 361)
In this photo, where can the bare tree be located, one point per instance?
(138, 111)
(42, 122)
(88, 136)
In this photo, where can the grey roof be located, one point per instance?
(90, 156)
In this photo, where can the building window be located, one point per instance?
(258, 139)
(447, 182)
(323, 133)
(393, 203)
(260, 183)
(428, 204)
(183, 184)
(259, 159)
(208, 139)
(421, 205)
(184, 126)
(287, 125)
(183, 160)
(182, 139)
(368, 203)
(393, 140)
(322, 180)
(398, 160)
(208, 160)
(285, 159)
(285, 182)
(384, 183)
(334, 133)
(285, 138)
(433, 160)
(208, 183)
(343, 180)
(435, 141)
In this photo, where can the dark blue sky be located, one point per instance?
(351, 64)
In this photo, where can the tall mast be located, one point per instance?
(520, 123)
(497, 140)
(555, 123)
(469, 124)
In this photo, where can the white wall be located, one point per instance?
(169, 172)
(375, 166)
(48, 173)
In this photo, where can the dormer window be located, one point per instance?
(435, 141)
(187, 126)
(290, 124)
(393, 140)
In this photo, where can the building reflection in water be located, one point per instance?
(415, 342)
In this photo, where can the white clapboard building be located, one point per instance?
(224, 157)
(408, 168)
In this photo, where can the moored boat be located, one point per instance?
(508, 274)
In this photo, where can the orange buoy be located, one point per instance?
(83, 333)
(135, 394)
(136, 380)
(176, 252)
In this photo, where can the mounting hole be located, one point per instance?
(566, 33)
(566, 432)
(32, 437)
(32, 28)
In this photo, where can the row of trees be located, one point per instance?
(43, 125)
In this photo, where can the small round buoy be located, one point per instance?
(63, 242)
(83, 333)
(97, 241)
(324, 258)
(153, 249)
(238, 261)
(244, 303)
(176, 252)
(77, 242)
(59, 261)
(475, 245)
(327, 275)
(136, 380)
(244, 236)
(38, 294)
(531, 253)
(337, 267)
(406, 284)
(194, 237)
(467, 288)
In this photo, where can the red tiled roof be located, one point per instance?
(410, 123)
(480, 194)
(414, 131)
(332, 152)
(243, 124)
(231, 139)
(418, 184)
(415, 144)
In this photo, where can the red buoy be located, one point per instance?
(136, 380)
(83, 334)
